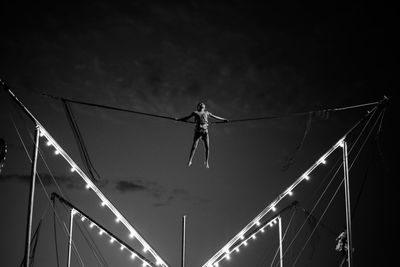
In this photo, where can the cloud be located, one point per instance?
(162, 195)
(45, 179)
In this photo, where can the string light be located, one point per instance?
(133, 256)
(122, 247)
(112, 240)
(89, 185)
(306, 177)
(273, 208)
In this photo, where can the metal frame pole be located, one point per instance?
(31, 198)
(183, 240)
(348, 207)
(71, 223)
(280, 242)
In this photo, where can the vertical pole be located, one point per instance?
(280, 241)
(348, 207)
(31, 198)
(71, 223)
(183, 240)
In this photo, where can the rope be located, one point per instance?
(44, 189)
(290, 161)
(81, 144)
(337, 190)
(324, 112)
(326, 188)
(113, 108)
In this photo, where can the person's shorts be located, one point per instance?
(201, 133)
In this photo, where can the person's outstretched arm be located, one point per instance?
(185, 118)
(218, 118)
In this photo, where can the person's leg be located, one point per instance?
(206, 141)
(194, 146)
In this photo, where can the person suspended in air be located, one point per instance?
(201, 116)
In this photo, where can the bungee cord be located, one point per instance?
(339, 186)
(80, 141)
(320, 112)
(333, 177)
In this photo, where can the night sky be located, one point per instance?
(241, 59)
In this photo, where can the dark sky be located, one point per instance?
(241, 59)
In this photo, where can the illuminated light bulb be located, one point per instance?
(133, 256)
(131, 235)
(145, 249)
(216, 264)
(253, 236)
(159, 262)
(103, 204)
(144, 264)
(290, 193)
(242, 237)
(72, 169)
(82, 219)
(245, 243)
(117, 220)
(56, 152)
(228, 256)
(262, 230)
(237, 249)
(322, 160)
(258, 223)
(91, 225)
(122, 247)
(48, 143)
(112, 240)
(306, 177)
(101, 232)
(275, 222)
(273, 208)
(87, 186)
(271, 224)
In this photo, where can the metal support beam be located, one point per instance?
(348, 207)
(31, 198)
(280, 242)
(71, 223)
(183, 240)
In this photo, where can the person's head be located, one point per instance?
(201, 106)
